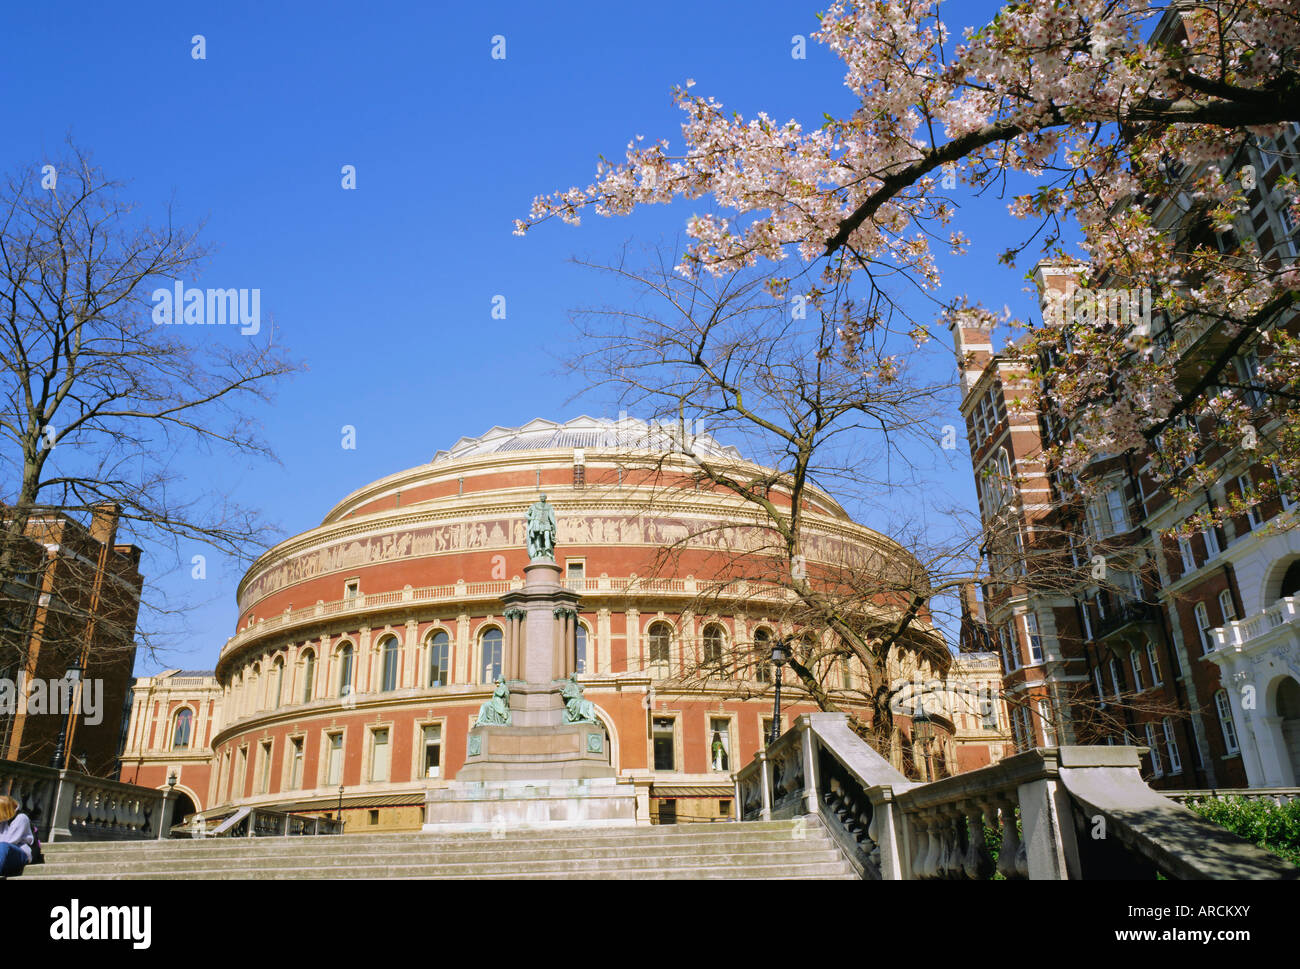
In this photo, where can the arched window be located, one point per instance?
(763, 656)
(439, 658)
(1229, 728)
(277, 683)
(713, 639)
(345, 669)
(1203, 627)
(182, 730)
(660, 635)
(580, 650)
(388, 651)
(308, 675)
(491, 653)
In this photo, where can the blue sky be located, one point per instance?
(385, 292)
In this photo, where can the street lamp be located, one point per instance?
(922, 734)
(339, 816)
(171, 781)
(73, 677)
(780, 655)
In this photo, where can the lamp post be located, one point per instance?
(339, 815)
(73, 677)
(922, 734)
(780, 654)
(171, 781)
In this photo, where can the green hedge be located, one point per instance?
(1263, 823)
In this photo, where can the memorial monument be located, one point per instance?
(537, 753)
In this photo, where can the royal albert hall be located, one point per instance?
(366, 646)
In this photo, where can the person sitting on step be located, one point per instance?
(15, 838)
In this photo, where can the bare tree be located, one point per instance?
(96, 399)
(824, 410)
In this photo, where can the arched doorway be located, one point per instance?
(1288, 708)
(183, 808)
(1290, 580)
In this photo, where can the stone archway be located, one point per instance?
(1288, 708)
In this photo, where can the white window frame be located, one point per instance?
(1203, 627)
(1157, 767)
(1154, 660)
(1033, 638)
(1135, 659)
(1226, 607)
(1247, 488)
(1211, 539)
(1227, 726)
(1101, 691)
(1171, 745)
(1188, 556)
(1114, 677)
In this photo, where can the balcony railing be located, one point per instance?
(1120, 614)
(1241, 632)
(1050, 813)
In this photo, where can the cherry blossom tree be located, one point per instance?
(1106, 108)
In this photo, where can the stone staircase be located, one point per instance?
(753, 849)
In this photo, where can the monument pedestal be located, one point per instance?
(538, 770)
(597, 802)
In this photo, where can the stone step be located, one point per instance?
(487, 854)
(586, 838)
(816, 869)
(772, 849)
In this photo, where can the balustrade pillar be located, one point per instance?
(1048, 831)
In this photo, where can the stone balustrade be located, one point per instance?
(1240, 632)
(69, 806)
(1050, 813)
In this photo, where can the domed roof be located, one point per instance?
(624, 433)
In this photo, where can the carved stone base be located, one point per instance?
(520, 805)
(516, 753)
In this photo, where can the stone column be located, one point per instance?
(634, 661)
(412, 676)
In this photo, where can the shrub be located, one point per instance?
(1271, 826)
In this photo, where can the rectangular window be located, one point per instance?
(1115, 508)
(1085, 613)
(1035, 641)
(1185, 552)
(988, 715)
(264, 768)
(1136, 659)
(295, 769)
(1101, 691)
(379, 755)
(1171, 745)
(351, 588)
(334, 774)
(575, 570)
(719, 743)
(1045, 715)
(665, 748)
(1115, 677)
(433, 750)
